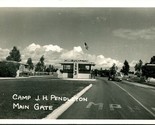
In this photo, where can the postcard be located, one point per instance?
(77, 63)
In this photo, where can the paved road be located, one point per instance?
(114, 100)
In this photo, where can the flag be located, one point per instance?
(85, 45)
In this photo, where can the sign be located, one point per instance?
(72, 60)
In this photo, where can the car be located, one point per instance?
(116, 77)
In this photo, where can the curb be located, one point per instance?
(79, 79)
(23, 77)
(57, 112)
(7, 78)
(40, 76)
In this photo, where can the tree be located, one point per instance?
(96, 72)
(30, 64)
(40, 66)
(113, 69)
(42, 60)
(50, 69)
(14, 55)
(8, 69)
(100, 72)
(152, 61)
(138, 66)
(125, 69)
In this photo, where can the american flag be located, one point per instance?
(85, 45)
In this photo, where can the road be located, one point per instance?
(114, 100)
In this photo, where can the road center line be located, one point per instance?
(136, 100)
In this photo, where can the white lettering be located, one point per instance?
(100, 105)
(43, 107)
(38, 98)
(21, 97)
(57, 98)
(45, 97)
(67, 60)
(113, 106)
(53, 97)
(18, 106)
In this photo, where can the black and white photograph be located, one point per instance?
(77, 63)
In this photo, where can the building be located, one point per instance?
(23, 70)
(77, 69)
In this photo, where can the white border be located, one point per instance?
(77, 3)
(91, 121)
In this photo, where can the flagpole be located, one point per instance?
(86, 47)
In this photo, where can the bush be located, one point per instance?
(8, 69)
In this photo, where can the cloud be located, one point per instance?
(4, 53)
(133, 63)
(100, 60)
(147, 34)
(54, 54)
(52, 48)
(33, 47)
(76, 53)
(107, 62)
(35, 51)
(77, 49)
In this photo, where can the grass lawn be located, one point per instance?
(136, 79)
(141, 81)
(34, 87)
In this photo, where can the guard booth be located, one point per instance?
(77, 69)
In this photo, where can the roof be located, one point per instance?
(149, 64)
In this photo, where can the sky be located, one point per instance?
(112, 34)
